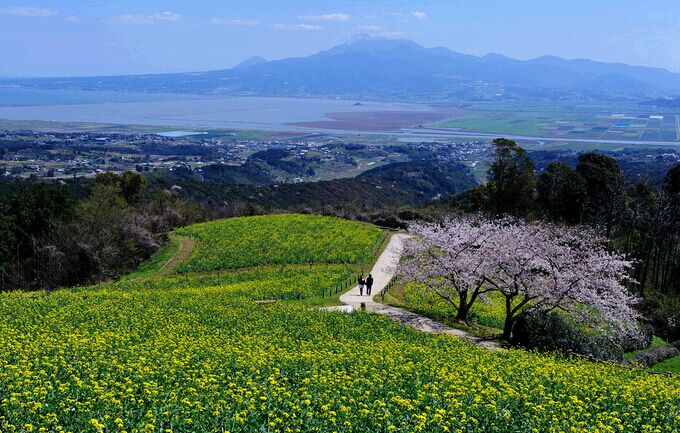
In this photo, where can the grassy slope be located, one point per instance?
(279, 239)
(668, 366)
(486, 318)
(193, 352)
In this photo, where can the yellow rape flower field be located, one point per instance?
(193, 352)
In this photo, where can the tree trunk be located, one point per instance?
(507, 326)
(463, 307)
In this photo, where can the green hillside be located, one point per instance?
(397, 184)
(193, 352)
(279, 239)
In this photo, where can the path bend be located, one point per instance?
(383, 271)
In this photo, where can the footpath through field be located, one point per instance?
(383, 271)
(186, 244)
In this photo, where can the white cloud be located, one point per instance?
(235, 22)
(370, 28)
(74, 18)
(304, 27)
(418, 15)
(334, 17)
(27, 12)
(157, 18)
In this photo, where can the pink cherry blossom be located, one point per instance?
(533, 265)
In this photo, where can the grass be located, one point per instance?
(668, 366)
(486, 319)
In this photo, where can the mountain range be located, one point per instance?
(375, 68)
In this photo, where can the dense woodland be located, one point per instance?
(85, 231)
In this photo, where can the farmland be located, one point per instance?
(194, 352)
(567, 124)
(283, 239)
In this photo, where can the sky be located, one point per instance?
(104, 37)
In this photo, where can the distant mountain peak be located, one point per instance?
(252, 61)
(368, 66)
(496, 56)
(359, 38)
(369, 43)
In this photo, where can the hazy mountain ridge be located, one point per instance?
(389, 68)
(251, 61)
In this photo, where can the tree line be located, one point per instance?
(48, 239)
(639, 220)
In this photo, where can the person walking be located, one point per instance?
(369, 284)
(361, 285)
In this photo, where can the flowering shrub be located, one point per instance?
(655, 355)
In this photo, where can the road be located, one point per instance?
(445, 132)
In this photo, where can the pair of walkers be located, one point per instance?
(368, 282)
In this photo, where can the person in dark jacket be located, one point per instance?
(369, 284)
(361, 285)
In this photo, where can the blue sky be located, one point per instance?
(94, 37)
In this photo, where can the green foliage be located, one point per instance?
(511, 179)
(552, 331)
(130, 185)
(408, 183)
(672, 181)
(279, 239)
(604, 188)
(28, 217)
(671, 365)
(562, 193)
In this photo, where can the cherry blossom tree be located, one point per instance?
(543, 267)
(450, 260)
(535, 266)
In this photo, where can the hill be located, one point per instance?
(672, 103)
(367, 67)
(404, 183)
(279, 239)
(201, 352)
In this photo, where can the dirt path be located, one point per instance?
(382, 272)
(185, 247)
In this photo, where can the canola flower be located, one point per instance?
(195, 353)
(279, 239)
